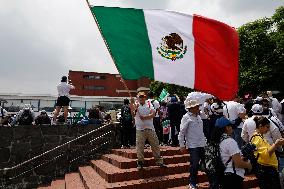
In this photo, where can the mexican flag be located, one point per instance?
(191, 51)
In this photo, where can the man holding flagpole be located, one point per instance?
(143, 116)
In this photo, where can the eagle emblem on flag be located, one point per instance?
(172, 47)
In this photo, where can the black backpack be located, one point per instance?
(213, 161)
(126, 114)
(26, 118)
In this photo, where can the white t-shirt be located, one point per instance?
(276, 106)
(144, 110)
(4, 112)
(228, 148)
(64, 88)
(207, 106)
(234, 109)
(154, 103)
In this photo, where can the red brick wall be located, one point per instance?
(111, 84)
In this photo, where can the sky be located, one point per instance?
(41, 40)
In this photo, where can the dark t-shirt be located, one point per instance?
(42, 119)
(174, 113)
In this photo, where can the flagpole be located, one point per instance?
(122, 80)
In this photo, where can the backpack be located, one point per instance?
(26, 117)
(213, 161)
(248, 153)
(277, 123)
(126, 114)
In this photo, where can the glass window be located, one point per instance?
(96, 77)
(88, 87)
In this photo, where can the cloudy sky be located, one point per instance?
(40, 40)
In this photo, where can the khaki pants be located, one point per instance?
(150, 135)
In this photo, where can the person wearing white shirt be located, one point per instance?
(249, 127)
(267, 110)
(230, 154)
(143, 116)
(191, 130)
(275, 104)
(235, 112)
(3, 114)
(63, 98)
(156, 120)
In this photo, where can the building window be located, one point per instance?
(96, 77)
(95, 88)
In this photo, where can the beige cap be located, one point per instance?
(141, 94)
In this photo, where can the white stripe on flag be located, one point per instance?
(160, 24)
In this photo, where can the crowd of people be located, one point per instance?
(26, 116)
(228, 139)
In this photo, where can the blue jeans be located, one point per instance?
(197, 155)
(280, 164)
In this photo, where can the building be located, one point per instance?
(104, 84)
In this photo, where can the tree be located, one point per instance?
(156, 87)
(261, 54)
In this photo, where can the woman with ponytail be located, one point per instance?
(267, 164)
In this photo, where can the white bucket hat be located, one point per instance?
(191, 104)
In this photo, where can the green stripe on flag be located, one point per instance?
(126, 34)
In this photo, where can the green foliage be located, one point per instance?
(261, 54)
(156, 87)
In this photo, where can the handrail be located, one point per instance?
(47, 152)
(52, 160)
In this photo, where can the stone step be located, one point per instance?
(114, 174)
(58, 184)
(73, 181)
(204, 185)
(91, 179)
(127, 163)
(250, 182)
(131, 153)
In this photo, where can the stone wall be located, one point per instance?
(19, 144)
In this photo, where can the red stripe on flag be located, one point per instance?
(216, 57)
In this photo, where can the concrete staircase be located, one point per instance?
(118, 170)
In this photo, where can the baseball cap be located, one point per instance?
(257, 109)
(222, 122)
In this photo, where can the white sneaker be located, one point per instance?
(190, 186)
